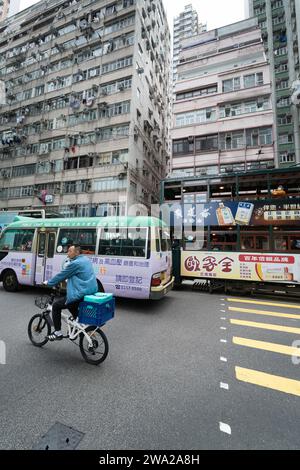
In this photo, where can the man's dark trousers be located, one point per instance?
(59, 305)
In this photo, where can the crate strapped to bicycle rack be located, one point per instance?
(96, 309)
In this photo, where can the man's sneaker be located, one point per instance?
(54, 337)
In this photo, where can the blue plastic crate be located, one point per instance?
(91, 313)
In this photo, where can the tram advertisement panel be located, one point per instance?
(238, 213)
(241, 266)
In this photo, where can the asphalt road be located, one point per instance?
(182, 373)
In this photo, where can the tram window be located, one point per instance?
(281, 242)
(223, 240)
(295, 243)
(255, 242)
(165, 241)
(195, 240)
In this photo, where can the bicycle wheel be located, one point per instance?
(38, 329)
(99, 351)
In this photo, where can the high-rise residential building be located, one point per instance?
(8, 8)
(222, 114)
(280, 23)
(85, 124)
(4, 8)
(186, 24)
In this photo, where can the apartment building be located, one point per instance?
(8, 8)
(223, 117)
(85, 126)
(280, 23)
(186, 24)
(4, 8)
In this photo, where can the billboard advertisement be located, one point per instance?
(230, 213)
(268, 267)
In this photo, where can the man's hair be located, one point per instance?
(76, 246)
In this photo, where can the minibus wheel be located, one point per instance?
(10, 281)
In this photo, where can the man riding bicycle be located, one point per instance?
(81, 281)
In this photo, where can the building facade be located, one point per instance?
(223, 117)
(8, 8)
(85, 126)
(4, 8)
(280, 23)
(186, 24)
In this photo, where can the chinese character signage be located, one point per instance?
(241, 266)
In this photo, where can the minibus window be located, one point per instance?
(16, 240)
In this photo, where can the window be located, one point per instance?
(222, 239)
(198, 92)
(86, 238)
(165, 241)
(231, 85)
(199, 116)
(123, 242)
(261, 136)
(232, 140)
(287, 158)
(183, 146)
(283, 102)
(16, 240)
(208, 142)
(255, 79)
(281, 51)
(109, 184)
(284, 119)
(285, 138)
(253, 241)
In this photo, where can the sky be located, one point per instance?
(215, 13)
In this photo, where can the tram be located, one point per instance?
(236, 232)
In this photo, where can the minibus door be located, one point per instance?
(45, 255)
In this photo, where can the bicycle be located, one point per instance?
(93, 343)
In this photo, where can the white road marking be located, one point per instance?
(223, 340)
(224, 385)
(225, 428)
(223, 311)
(223, 318)
(223, 305)
(223, 359)
(223, 328)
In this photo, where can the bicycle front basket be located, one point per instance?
(42, 301)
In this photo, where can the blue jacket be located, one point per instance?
(81, 279)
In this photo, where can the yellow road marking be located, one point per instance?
(264, 312)
(274, 382)
(273, 347)
(271, 304)
(267, 326)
